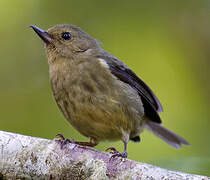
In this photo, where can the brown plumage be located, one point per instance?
(97, 93)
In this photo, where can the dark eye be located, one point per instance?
(66, 35)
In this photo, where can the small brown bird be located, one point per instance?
(97, 93)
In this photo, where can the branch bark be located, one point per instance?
(25, 157)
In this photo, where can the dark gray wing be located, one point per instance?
(151, 103)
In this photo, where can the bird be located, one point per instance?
(98, 94)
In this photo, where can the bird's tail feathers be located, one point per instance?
(166, 135)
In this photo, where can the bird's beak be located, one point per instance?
(42, 34)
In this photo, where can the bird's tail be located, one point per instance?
(165, 134)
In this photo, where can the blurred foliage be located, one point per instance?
(165, 42)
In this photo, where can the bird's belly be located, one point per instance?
(101, 119)
(100, 107)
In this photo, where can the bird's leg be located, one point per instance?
(116, 153)
(92, 142)
(62, 140)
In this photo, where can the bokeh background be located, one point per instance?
(167, 43)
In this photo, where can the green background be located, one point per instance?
(167, 43)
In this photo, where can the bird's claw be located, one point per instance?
(60, 136)
(119, 154)
(62, 140)
(116, 153)
(112, 149)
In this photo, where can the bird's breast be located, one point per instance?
(92, 101)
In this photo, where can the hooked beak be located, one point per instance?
(42, 34)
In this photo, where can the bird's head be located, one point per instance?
(66, 40)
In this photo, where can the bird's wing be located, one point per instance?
(151, 103)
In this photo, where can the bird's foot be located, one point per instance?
(62, 140)
(116, 153)
(84, 144)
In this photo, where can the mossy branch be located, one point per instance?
(25, 157)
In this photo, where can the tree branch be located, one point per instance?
(25, 157)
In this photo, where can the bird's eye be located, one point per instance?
(66, 35)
